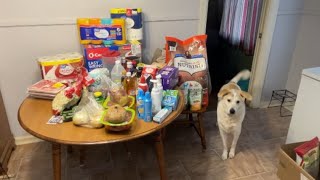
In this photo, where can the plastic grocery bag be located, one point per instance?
(101, 81)
(88, 112)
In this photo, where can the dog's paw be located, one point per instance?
(224, 155)
(231, 154)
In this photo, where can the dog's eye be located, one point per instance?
(238, 102)
(229, 100)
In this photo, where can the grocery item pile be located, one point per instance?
(109, 85)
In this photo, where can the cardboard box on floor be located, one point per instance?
(288, 169)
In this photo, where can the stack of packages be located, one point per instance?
(105, 40)
(45, 89)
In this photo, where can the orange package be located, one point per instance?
(190, 57)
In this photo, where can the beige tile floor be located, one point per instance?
(256, 159)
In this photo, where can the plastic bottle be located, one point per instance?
(130, 84)
(140, 104)
(159, 85)
(93, 22)
(124, 62)
(117, 72)
(147, 107)
(108, 22)
(83, 21)
(121, 22)
(156, 97)
(142, 84)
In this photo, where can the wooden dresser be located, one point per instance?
(6, 138)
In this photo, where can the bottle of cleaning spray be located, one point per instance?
(156, 97)
(140, 104)
(147, 107)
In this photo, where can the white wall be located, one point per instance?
(283, 45)
(307, 49)
(29, 29)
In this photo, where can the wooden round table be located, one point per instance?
(34, 114)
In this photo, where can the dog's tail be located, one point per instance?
(242, 75)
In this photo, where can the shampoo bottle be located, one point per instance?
(156, 97)
(147, 107)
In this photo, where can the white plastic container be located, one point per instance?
(159, 85)
(116, 72)
(156, 97)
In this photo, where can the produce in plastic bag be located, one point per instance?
(101, 78)
(70, 96)
(88, 112)
(118, 94)
(190, 57)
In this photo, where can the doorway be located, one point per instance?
(225, 57)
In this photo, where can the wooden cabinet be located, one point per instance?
(6, 138)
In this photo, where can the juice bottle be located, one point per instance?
(82, 21)
(130, 84)
(95, 21)
(121, 22)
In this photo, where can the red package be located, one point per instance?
(308, 156)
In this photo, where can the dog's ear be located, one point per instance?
(246, 95)
(223, 93)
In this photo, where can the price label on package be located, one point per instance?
(55, 120)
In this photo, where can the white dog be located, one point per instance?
(231, 111)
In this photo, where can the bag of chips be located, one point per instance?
(190, 57)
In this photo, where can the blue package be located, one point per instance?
(100, 32)
(170, 99)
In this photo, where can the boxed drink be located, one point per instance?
(99, 56)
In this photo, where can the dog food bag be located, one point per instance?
(190, 57)
(307, 156)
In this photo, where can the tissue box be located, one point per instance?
(169, 77)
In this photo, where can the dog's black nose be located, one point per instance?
(232, 111)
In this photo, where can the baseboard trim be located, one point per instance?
(27, 139)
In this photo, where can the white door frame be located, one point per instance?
(263, 45)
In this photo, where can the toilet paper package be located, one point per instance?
(133, 19)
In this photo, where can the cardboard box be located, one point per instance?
(288, 169)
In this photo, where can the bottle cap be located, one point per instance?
(97, 94)
(128, 74)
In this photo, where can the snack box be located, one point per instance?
(169, 77)
(61, 66)
(48, 87)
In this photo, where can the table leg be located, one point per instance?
(82, 156)
(56, 158)
(160, 155)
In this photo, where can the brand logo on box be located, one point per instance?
(129, 12)
(95, 53)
